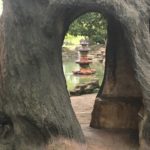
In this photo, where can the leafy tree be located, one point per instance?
(92, 25)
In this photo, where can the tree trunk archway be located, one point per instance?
(33, 95)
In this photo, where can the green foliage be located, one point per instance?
(72, 41)
(91, 25)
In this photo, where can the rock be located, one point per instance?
(86, 88)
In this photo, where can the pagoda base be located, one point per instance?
(84, 72)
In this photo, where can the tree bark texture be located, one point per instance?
(35, 109)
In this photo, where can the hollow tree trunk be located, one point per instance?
(120, 98)
(35, 106)
(35, 110)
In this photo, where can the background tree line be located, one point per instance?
(92, 26)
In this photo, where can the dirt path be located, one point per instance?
(100, 139)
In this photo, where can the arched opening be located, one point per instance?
(119, 99)
(83, 87)
(92, 28)
(33, 89)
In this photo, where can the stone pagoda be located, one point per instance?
(83, 60)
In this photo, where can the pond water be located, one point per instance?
(73, 80)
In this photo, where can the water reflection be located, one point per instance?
(73, 80)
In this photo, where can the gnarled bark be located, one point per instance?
(35, 108)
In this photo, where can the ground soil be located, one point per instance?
(101, 139)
